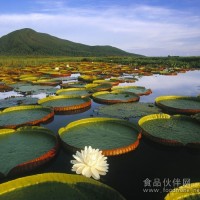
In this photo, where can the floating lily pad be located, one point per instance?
(50, 82)
(112, 82)
(179, 104)
(128, 110)
(115, 97)
(20, 115)
(33, 89)
(14, 101)
(77, 84)
(185, 192)
(25, 149)
(87, 78)
(29, 78)
(57, 73)
(112, 136)
(139, 90)
(58, 186)
(171, 130)
(80, 92)
(95, 87)
(128, 79)
(124, 79)
(65, 103)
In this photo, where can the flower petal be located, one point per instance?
(95, 173)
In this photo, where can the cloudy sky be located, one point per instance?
(147, 27)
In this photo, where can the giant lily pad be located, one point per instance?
(76, 84)
(112, 136)
(80, 92)
(25, 149)
(128, 110)
(20, 115)
(14, 101)
(96, 87)
(112, 82)
(185, 192)
(179, 104)
(139, 90)
(58, 186)
(87, 78)
(65, 103)
(33, 89)
(59, 74)
(171, 130)
(50, 82)
(115, 97)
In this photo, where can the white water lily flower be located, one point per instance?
(90, 162)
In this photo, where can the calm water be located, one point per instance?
(150, 163)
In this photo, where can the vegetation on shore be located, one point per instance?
(151, 62)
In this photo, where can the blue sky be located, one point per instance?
(147, 27)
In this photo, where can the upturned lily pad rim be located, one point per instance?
(174, 109)
(163, 140)
(147, 91)
(185, 191)
(85, 104)
(134, 97)
(64, 178)
(106, 152)
(30, 165)
(28, 107)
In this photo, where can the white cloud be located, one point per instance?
(141, 29)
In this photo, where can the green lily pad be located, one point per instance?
(179, 104)
(77, 84)
(112, 82)
(87, 78)
(58, 186)
(20, 115)
(125, 79)
(25, 148)
(115, 97)
(65, 103)
(128, 110)
(80, 92)
(14, 101)
(50, 82)
(112, 136)
(33, 89)
(139, 90)
(185, 192)
(171, 130)
(96, 87)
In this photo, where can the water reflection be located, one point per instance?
(186, 84)
(4, 95)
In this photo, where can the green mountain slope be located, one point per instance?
(29, 42)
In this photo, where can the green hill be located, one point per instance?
(29, 42)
